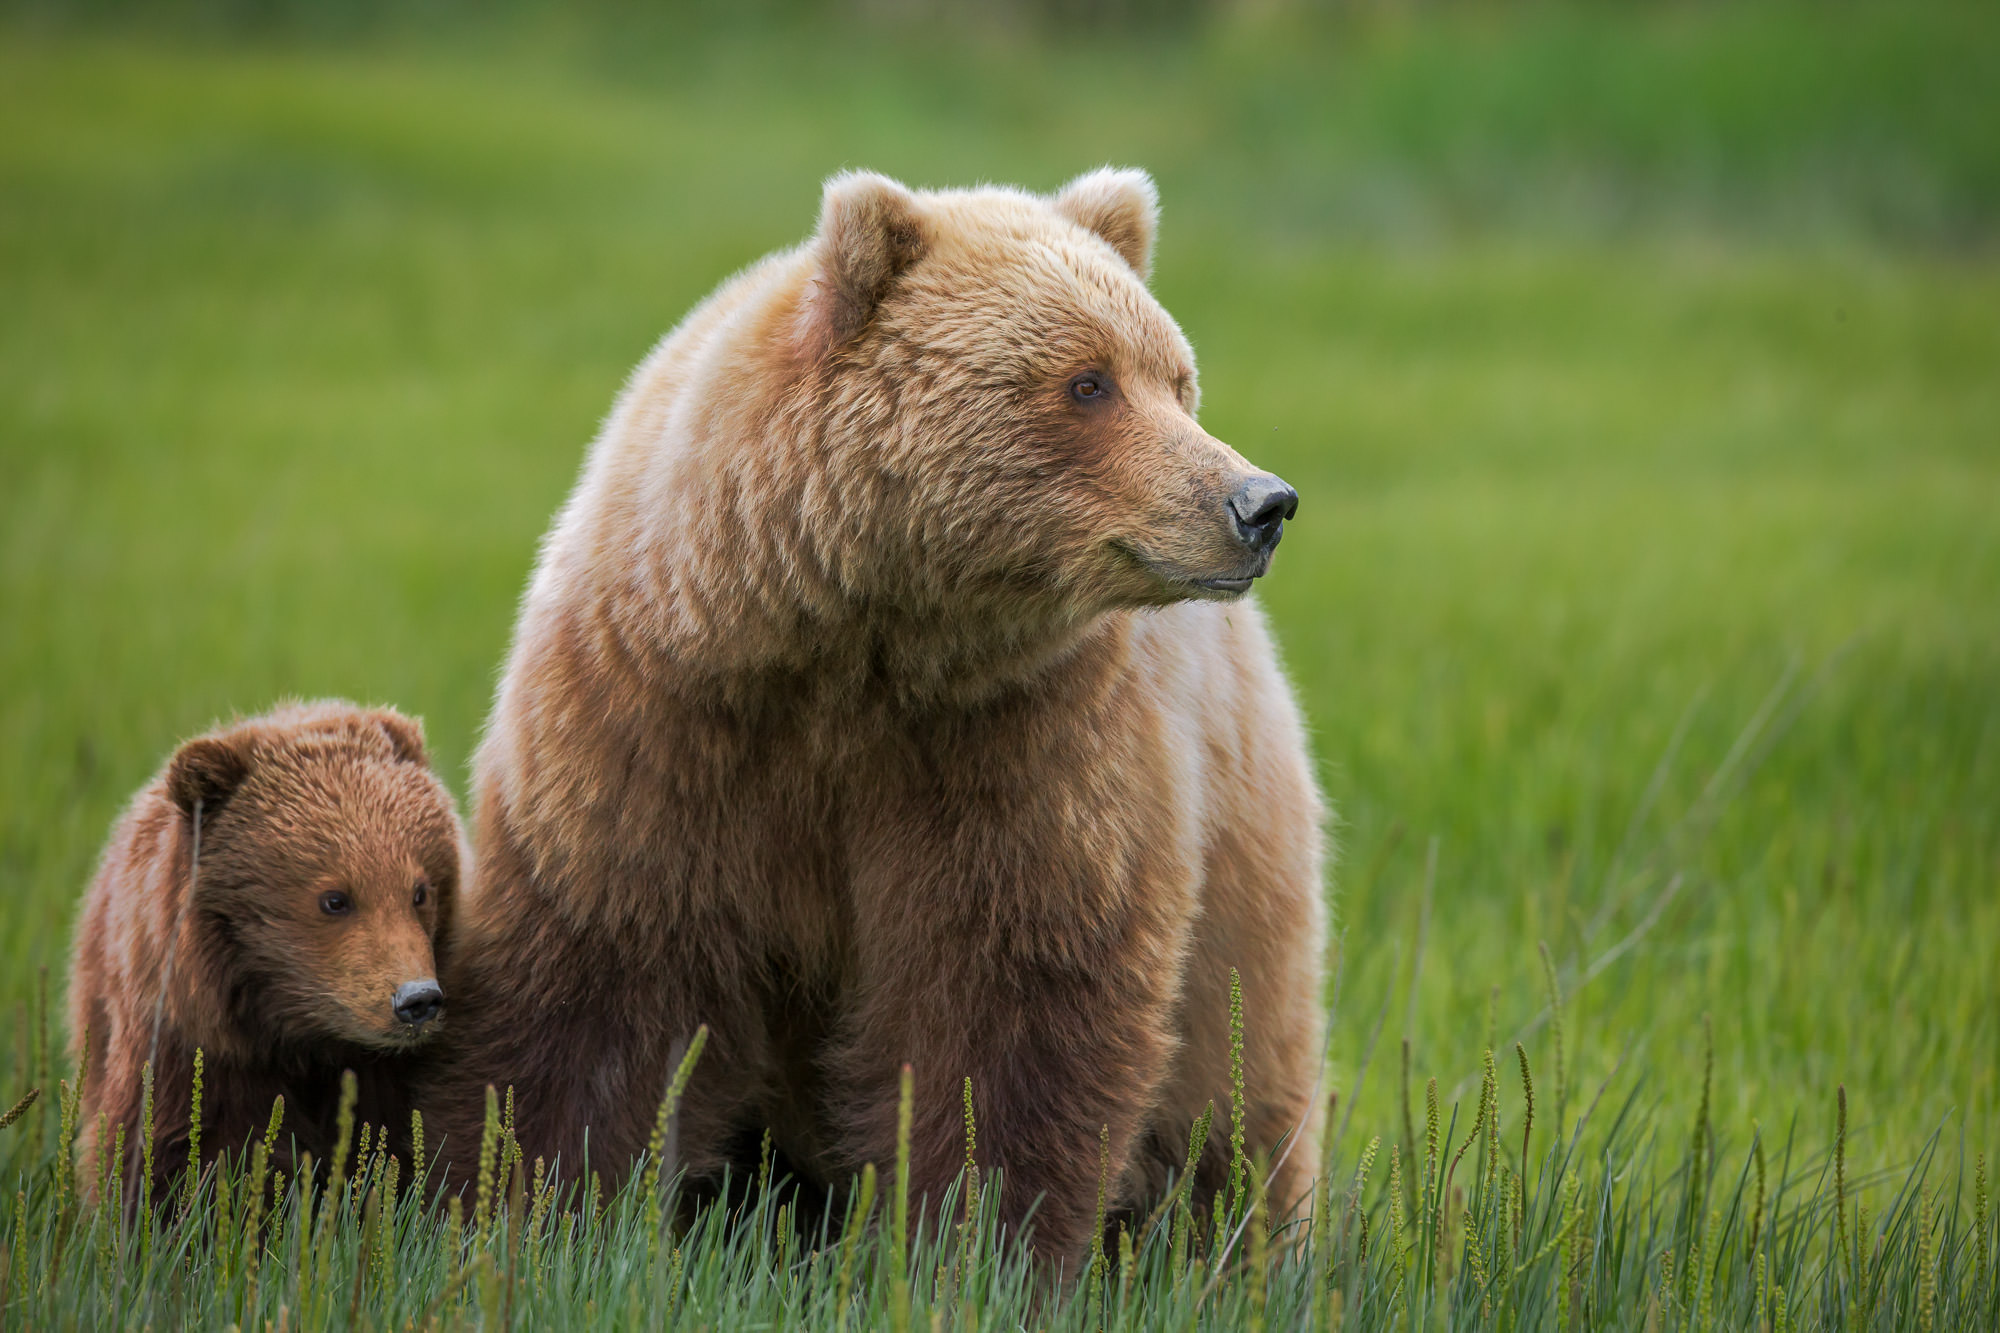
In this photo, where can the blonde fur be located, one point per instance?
(873, 701)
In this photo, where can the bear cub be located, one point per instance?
(275, 897)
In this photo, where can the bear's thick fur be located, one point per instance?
(305, 931)
(885, 693)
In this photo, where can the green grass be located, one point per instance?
(1637, 371)
(1603, 1228)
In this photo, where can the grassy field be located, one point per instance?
(1638, 374)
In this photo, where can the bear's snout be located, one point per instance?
(418, 1002)
(1260, 507)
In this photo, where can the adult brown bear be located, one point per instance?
(887, 692)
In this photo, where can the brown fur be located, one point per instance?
(867, 706)
(279, 996)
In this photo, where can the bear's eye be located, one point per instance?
(420, 894)
(335, 903)
(1088, 387)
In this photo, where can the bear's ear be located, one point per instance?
(406, 735)
(1120, 205)
(870, 230)
(207, 769)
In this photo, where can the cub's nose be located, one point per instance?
(1260, 508)
(418, 1002)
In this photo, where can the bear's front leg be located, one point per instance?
(1061, 1053)
(1030, 938)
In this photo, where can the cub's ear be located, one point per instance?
(870, 230)
(207, 769)
(406, 735)
(1121, 205)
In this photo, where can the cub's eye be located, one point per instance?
(1087, 388)
(335, 903)
(421, 894)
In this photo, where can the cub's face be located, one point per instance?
(343, 938)
(328, 871)
(1044, 404)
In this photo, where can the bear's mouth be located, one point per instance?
(1203, 587)
(1215, 587)
(389, 1041)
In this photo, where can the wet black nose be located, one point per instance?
(418, 1002)
(1261, 508)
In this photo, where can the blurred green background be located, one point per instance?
(1639, 367)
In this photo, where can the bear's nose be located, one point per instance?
(418, 1002)
(1261, 506)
